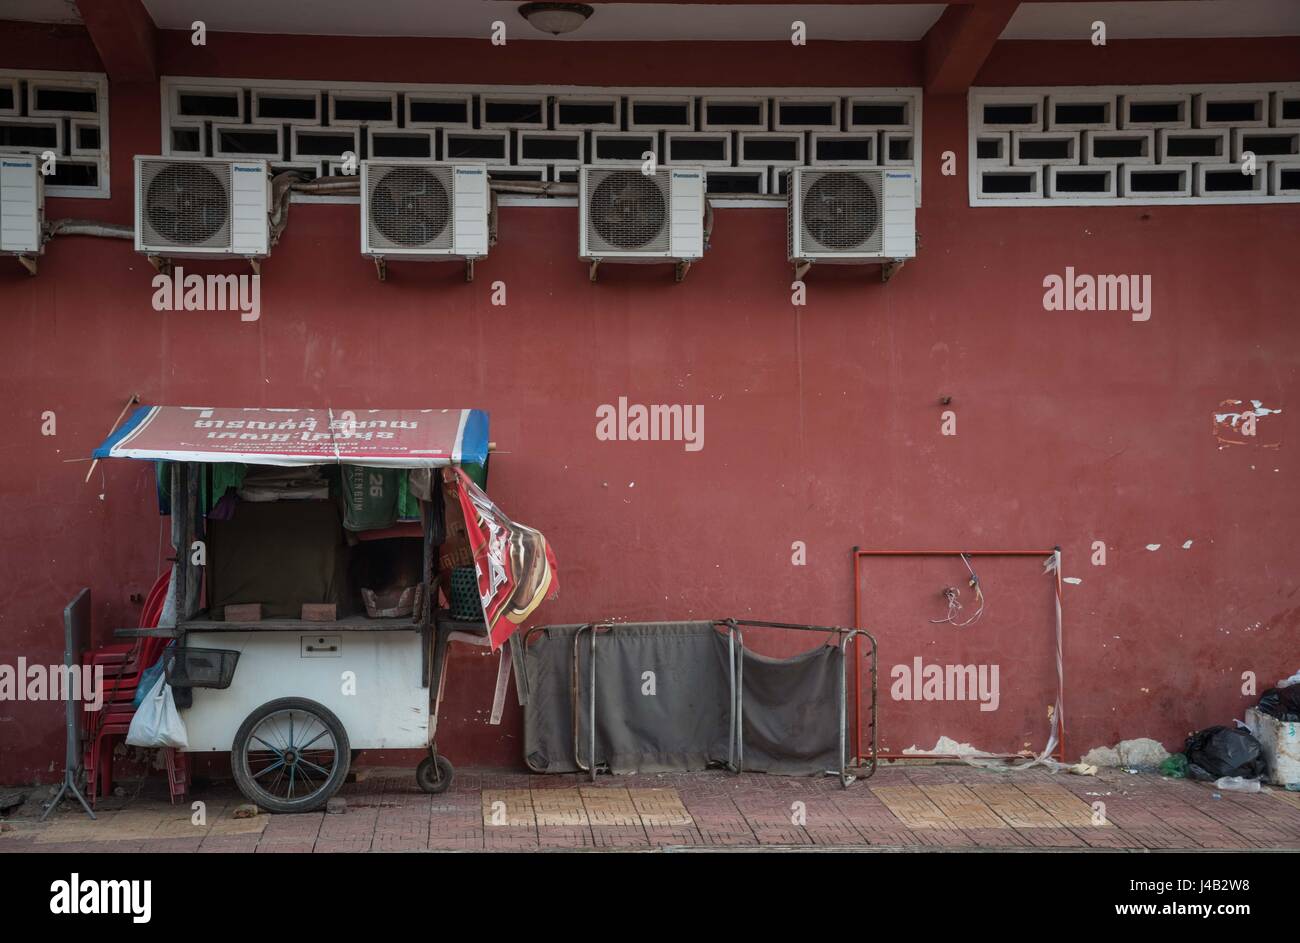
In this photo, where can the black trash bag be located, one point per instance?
(1282, 703)
(1224, 751)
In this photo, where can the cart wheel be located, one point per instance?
(290, 755)
(434, 780)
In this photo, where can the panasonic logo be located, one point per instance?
(24, 163)
(475, 173)
(248, 170)
(899, 176)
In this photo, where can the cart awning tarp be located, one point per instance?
(515, 565)
(386, 438)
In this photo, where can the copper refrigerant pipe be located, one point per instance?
(858, 554)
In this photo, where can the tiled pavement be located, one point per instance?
(911, 807)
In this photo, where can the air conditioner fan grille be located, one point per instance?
(627, 211)
(839, 211)
(410, 208)
(186, 204)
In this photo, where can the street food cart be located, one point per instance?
(322, 564)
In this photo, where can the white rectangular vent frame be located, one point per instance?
(64, 114)
(517, 128)
(628, 215)
(420, 209)
(851, 214)
(21, 205)
(201, 207)
(1161, 143)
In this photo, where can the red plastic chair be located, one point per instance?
(123, 665)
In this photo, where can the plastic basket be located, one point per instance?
(465, 604)
(201, 667)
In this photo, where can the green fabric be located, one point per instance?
(163, 476)
(370, 497)
(225, 475)
(408, 505)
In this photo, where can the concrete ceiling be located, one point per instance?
(1168, 20)
(611, 21)
(700, 21)
(40, 11)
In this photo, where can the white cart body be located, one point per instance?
(371, 680)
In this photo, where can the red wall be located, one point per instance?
(822, 422)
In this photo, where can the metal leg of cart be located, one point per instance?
(434, 773)
(429, 774)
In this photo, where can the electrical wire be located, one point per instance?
(953, 596)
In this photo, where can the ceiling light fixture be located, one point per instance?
(556, 18)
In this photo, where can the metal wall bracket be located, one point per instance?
(28, 262)
(683, 266)
(887, 269)
(161, 265)
(592, 268)
(469, 270)
(381, 270)
(256, 265)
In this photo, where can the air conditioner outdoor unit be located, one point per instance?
(21, 205)
(851, 214)
(200, 207)
(629, 216)
(419, 209)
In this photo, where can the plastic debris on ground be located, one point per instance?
(1237, 784)
(1174, 766)
(1224, 751)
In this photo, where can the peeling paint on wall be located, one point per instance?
(1235, 425)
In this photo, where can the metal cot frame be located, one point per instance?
(736, 649)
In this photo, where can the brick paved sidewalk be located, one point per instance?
(913, 807)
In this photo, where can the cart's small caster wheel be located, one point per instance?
(434, 779)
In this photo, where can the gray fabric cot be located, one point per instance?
(665, 700)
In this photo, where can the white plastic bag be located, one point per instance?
(1237, 784)
(157, 723)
